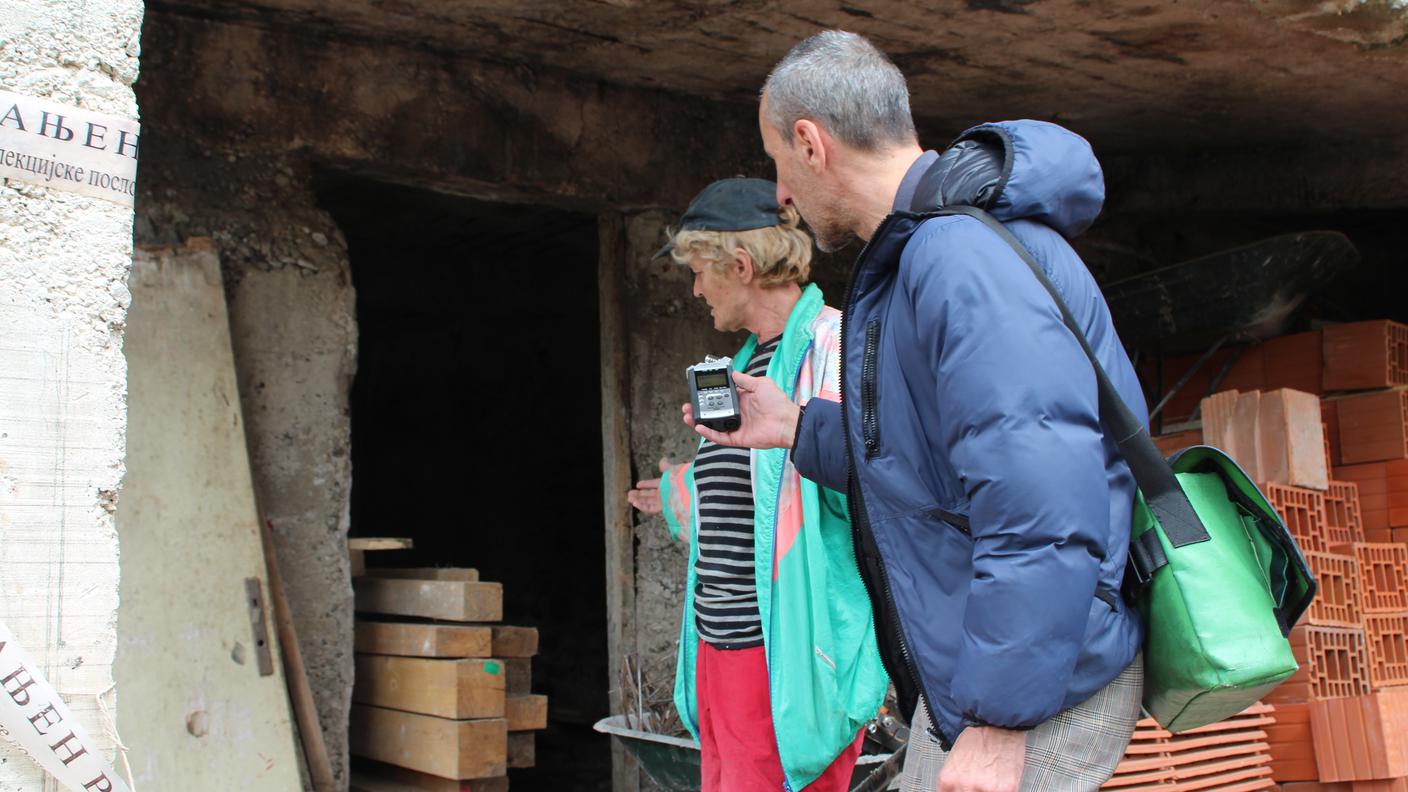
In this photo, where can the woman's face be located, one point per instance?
(723, 289)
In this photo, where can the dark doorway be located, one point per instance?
(475, 425)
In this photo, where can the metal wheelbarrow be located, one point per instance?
(673, 762)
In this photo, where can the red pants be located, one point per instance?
(739, 749)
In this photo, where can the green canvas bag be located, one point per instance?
(1212, 568)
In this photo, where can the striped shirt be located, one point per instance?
(726, 594)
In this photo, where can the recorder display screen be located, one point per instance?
(712, 379)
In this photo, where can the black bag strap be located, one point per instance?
(1155, 479)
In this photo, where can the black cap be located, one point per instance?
(730, 205)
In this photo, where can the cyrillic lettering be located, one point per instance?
(61, 132)
(78, 175)
(16, 687)
(13, 112)
(89, 141)
(122, 143)
(49, 715)
(99, 784)
(72, 754)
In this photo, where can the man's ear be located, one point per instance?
(812, 142)
(743, 266)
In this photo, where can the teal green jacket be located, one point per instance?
(824, 668)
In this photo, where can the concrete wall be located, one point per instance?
(243, 116)
(293, 328)
(64, 260)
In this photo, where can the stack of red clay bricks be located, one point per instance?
(1231, 755)
(1337, 471)
(1360, 356)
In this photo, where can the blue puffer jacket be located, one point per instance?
(991, 513)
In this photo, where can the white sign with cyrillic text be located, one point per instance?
(35, 718)
(68, 148)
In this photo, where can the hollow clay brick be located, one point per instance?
(1383, 576)
(1170, 444)
(1294, 361)
(1337, 604)
(1363, 738)
(1291, 744)
(1373, 427)
(1303, 512)
(1393, 785)
(1330, 416)
(1343, 524)
(1290, 439)
(1364, 355)
(1386, 638)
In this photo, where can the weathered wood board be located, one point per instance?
(423, 640)
(449, 600)
(425, 573)
(515, 641)
(195, 712)
(445, 748)
(522, 749)
(518, 672)
(526, 712)
(457, 689)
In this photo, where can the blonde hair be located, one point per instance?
(781, 254)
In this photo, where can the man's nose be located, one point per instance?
(784, 195)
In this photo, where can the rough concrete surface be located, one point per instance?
(64, 260)
(293, 329)
(463, 124)
(1131, 72)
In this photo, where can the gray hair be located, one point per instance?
(841, 81)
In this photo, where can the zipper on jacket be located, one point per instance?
(868, 559)
(777, 499)
(869, 422)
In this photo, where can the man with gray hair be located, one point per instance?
(990, 511)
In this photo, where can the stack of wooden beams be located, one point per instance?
(442, 699)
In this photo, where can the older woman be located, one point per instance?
(778, 666)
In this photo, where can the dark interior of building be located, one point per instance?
(476, 425)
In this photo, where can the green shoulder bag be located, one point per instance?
(1212, 568)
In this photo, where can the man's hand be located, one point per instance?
(985, 759)
(769, 417)
(646, 496)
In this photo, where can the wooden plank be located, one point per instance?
(515, 641)
(379, 543)
(369, 776)
(462, 749)
(522, 749)
(445, 688)
(423, 640)
(451, 600)
(526, 712)
(426, 573)
(613, 261)
(518, 674)
(189, 526)
(300, 693)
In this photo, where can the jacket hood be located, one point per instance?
(1019, 170)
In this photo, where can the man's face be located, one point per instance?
(799, 184)
(723, 290)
